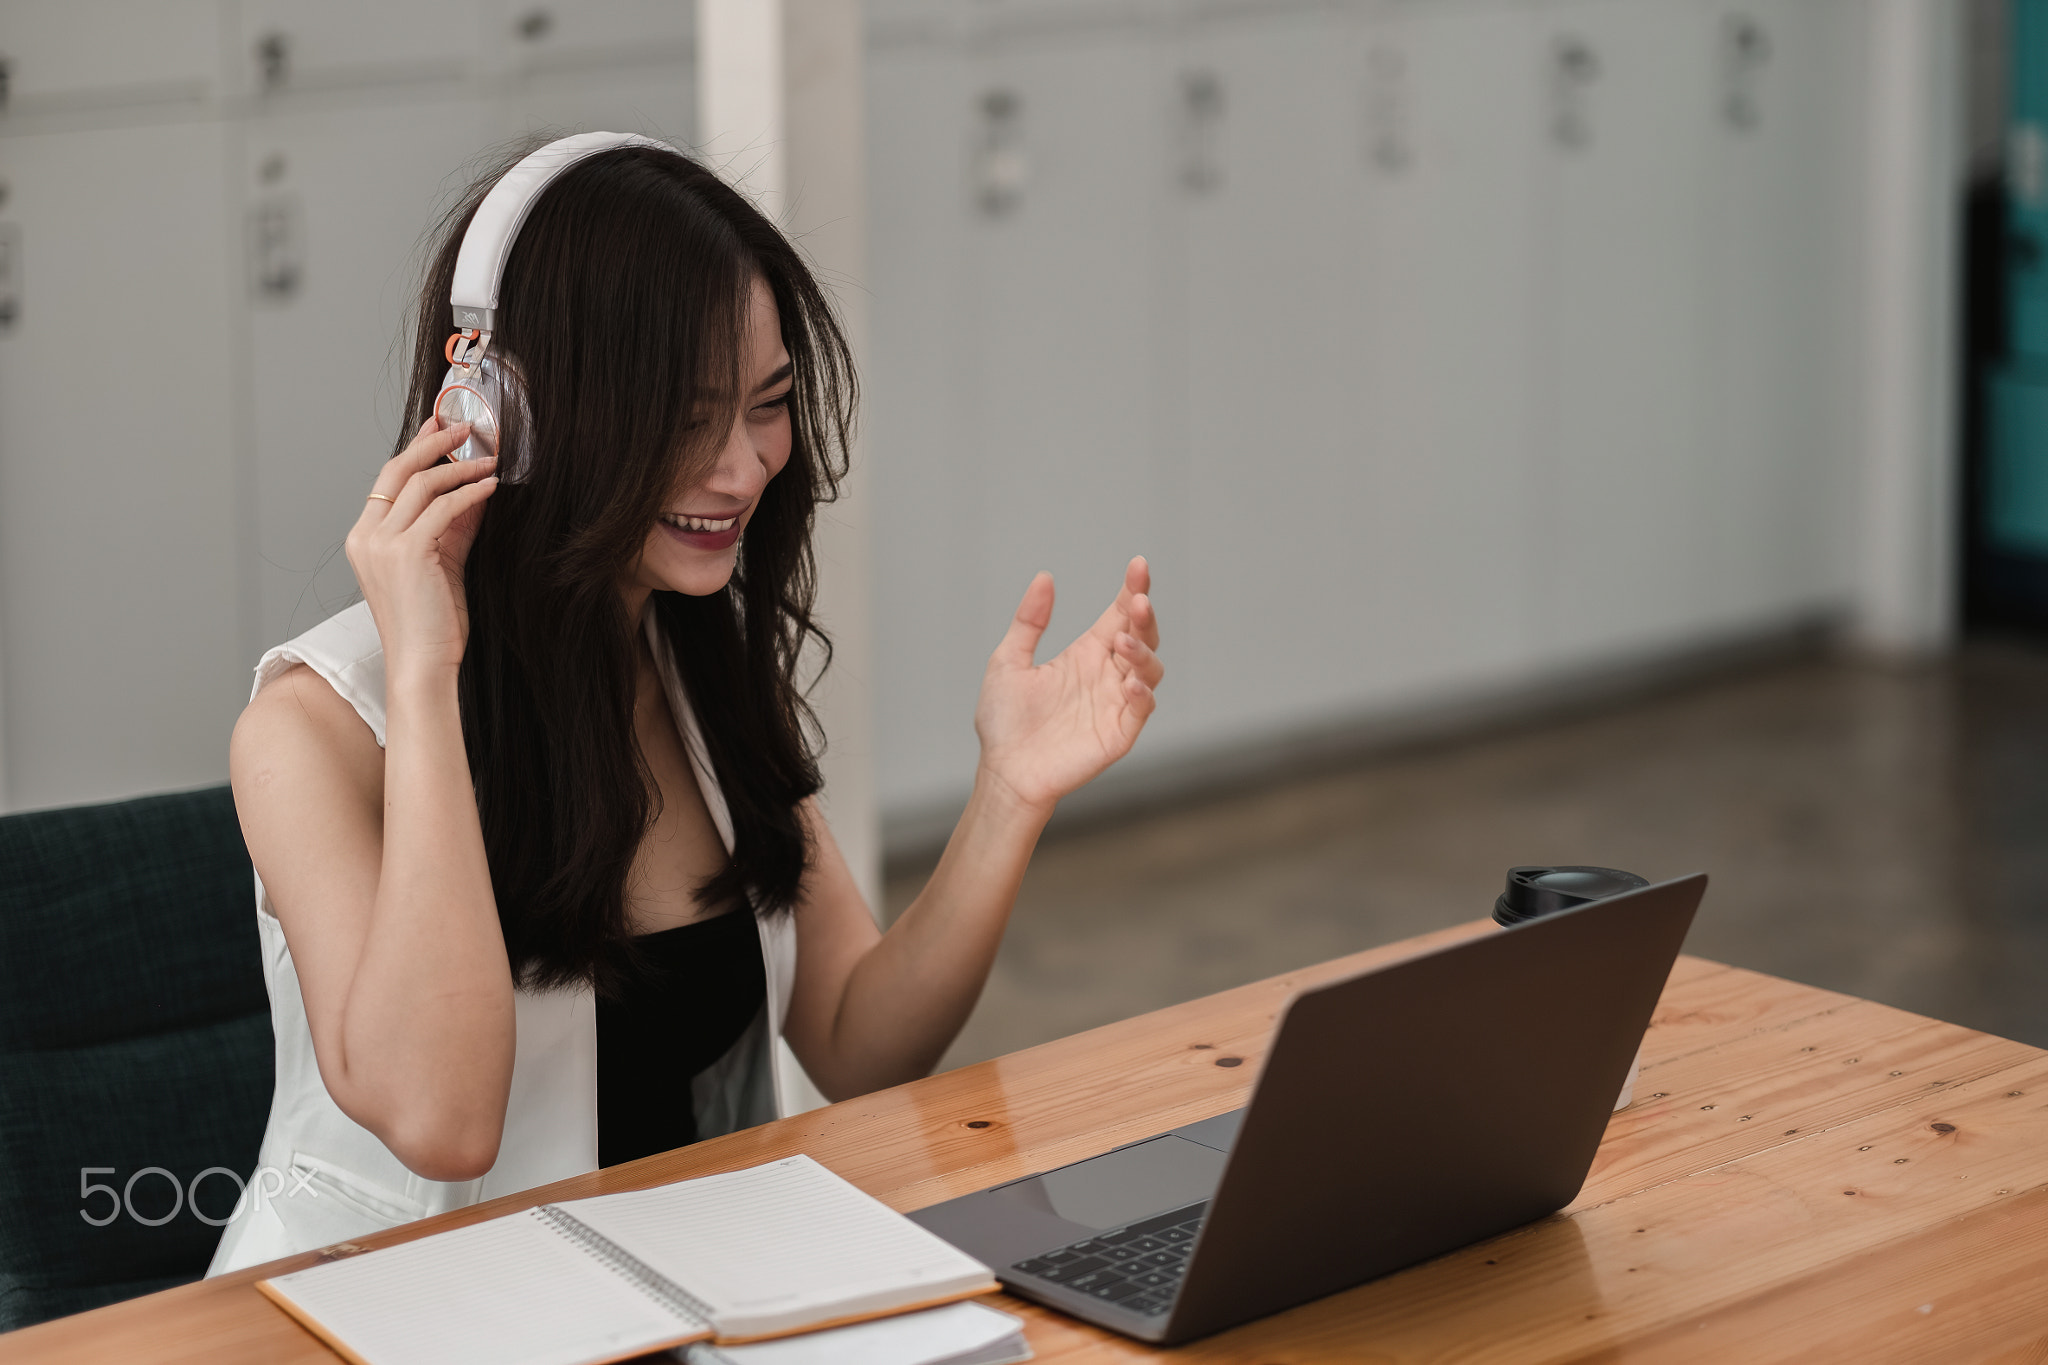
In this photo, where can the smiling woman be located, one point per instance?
(541, 876)
(678, 361)
(711, 516)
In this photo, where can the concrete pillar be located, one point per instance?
(741, 79)
(782, 113)
(1906, 528)
(781, 110)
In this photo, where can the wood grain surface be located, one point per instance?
(1803, 1176)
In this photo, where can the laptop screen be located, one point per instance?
(1116, 1188)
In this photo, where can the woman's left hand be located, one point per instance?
(1048, 728)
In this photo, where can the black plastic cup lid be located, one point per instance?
(1537, 891)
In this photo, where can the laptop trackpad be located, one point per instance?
(1122, 1186)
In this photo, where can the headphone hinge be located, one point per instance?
(466, 348)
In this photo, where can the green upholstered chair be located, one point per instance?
(135, 1047)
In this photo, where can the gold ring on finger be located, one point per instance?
(383, 498)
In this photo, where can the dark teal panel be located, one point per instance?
(2017, 512)
(2029, 93)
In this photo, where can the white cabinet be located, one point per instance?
(360, 187)
(1693, 316)
(121, 589)
(1062, 313)
(654, 95)
(918, 423)
(1772, 230)
(1428, 347)
(583, 35)
(1016, 368)
(64, 54)
(220, 209)
(1293, 595)
(328, 355)
(1431, 348)
(625, 66)
(1452, 429)
(1618, 349)
(308, 46)
(315, 46)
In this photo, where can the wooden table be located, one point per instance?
(1803, 1176)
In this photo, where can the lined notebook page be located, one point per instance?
(780, 1246)
(511, 1291)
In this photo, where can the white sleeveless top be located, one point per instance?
(322, 1178)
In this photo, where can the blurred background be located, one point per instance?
(1588, 431)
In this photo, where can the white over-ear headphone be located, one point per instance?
(480, 388)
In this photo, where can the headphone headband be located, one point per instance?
(480, 264)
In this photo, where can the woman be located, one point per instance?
(542, 878)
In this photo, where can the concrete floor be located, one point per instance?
(1878, 831)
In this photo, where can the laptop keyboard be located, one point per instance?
(1138, 1267)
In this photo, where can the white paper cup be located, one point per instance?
(1628, 1087)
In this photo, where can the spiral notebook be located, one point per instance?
(763, 1252)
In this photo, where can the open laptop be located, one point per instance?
(1402, 1113)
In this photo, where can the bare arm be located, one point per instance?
(374, 860)
(873, 1009)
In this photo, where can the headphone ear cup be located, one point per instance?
(487, 394)
(468, 395)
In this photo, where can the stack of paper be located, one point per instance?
(958, 1334)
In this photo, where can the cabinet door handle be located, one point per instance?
(1201, 119)
(273, 62)
(1745, 49)
(1389, 144)
(1000, 166)
(10, 274)
(276, 247)
(1574, 68)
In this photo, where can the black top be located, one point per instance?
(702, 986)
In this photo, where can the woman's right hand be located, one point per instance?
(408, 552)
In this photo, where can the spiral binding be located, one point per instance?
(631, 1268)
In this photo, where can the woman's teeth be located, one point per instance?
(699, 523)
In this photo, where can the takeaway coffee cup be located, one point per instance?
(1536, 891)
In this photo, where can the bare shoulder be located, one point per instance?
(299, 727)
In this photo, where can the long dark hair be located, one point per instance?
(623, 306)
